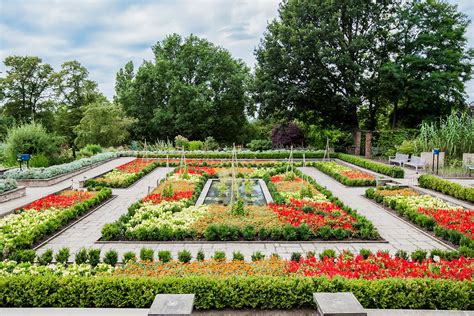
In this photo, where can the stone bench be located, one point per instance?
(172, 304)
(338, 304)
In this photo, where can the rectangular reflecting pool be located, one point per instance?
(250, 191)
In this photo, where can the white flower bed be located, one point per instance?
(7, 185)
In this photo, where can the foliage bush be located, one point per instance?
(181, 142)
(94, 257)
(286, 135)
(31, 139)
(129, 255)
(210, 143)
(259, 144)
(7, 185)
(250, 292)
(237, 255)
(63, 255)
(195, 145)
(386, 141)
(164, 256)
(184, 256)
(111, 257)
(46, 257)
(146, 254)
(395, 172)
(447, 187)
(81, 256)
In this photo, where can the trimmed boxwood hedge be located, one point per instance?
(344, 180)
(258, 292)
(132, 178)
(447, 187)
(392, 171)
(228, 155)
(425, 221)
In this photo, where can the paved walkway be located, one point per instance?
(34, 193)
(399, 234)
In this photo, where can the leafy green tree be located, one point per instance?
(191, 88)
(26, 88)
(75, 91)
(432, 62)
(314, 59)
(105, 124)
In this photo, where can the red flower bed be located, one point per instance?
(156, 198)
(197, 170)
(279, 178)
(63, 200)
(461, 220)
(135, 166)
(322, 214)
(381, 266)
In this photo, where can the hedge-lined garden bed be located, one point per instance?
(447, 187)
(228, 154)
(345, 175)
(395, 172)
(454, 224)
(36, 221)
(124, 175)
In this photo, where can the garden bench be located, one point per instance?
(399, 159)
(416, 162)
(469, 169)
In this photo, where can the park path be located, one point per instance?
(397, 233)
(34, 193)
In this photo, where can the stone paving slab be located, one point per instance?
(34, 193)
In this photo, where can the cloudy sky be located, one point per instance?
(104, 34)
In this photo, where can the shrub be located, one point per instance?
(181, 142)
(165, 256)
(7, 185)
(210, 143)
(237, 255)
(365, 253)
(129, 255)
(286, 135)
(200, 255)
(63, 255)
(39, 161)
(329, 253)
(219, 256)
(94, 257)
(81, 256)
(184, 256)
(419, 255)
(111, 257)
(257, 255)
(259, 145)
(146, 254)
(46, 257)
(295, 256)
(195, 145)
(401, 254)
(27, 255)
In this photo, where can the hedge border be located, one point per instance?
(256, 292)
(447, 187)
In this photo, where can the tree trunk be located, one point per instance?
(394, 115)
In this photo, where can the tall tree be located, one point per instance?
(314, 60)
(74, 91)
(433, 60)
(191, 88)
(26, 88)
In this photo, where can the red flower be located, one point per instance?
(135, 166)
(156, 198)
(461, 220)
(63, 200)
(198, 170)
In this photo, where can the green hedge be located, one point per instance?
(240, 155)
(258, 292)
(395, 172)
(47, 228)
(447, 187)
(93, 183)
(425, 221)
(344, 180)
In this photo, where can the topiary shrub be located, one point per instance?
(286, 135)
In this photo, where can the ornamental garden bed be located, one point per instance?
(125, 175)
(377, 280)
(31, 224)
(346, 175)
(452, 223)
(39, 177)
(302, 210)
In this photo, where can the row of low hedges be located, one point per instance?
(46, 228)
(392, 171)
(132, 178)
(260, 292)
(425, 221)
(341, 178)
(228, 155)
(447, 187)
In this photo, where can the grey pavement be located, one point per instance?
(35, 193)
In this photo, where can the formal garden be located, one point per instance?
(341, 162)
